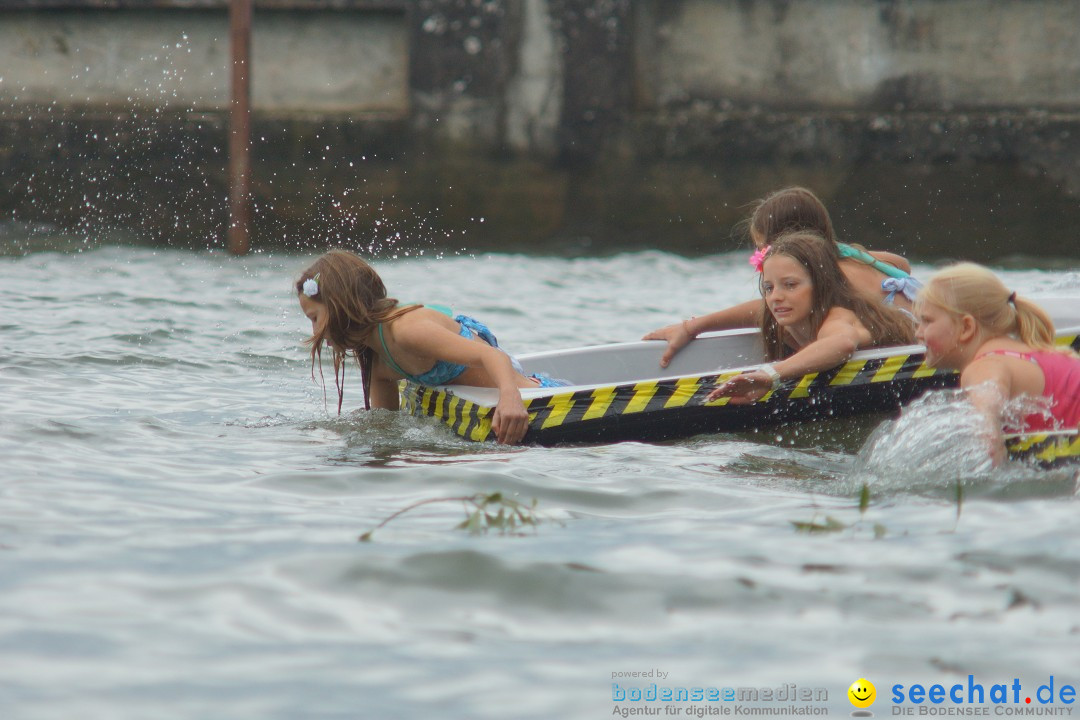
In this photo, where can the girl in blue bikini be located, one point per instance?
(877, 276)
(346, 301)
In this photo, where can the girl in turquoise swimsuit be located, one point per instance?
(347, 304)
(874, 275)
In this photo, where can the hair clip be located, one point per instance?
(311, 286)
(1012, 298)
(758, 258)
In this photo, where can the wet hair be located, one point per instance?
(793, 209)
(970, 289)
(356, 303)
(829, 289)
(789, 210)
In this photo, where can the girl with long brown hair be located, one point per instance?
(815, 318)
(876, 275)
(351, 313)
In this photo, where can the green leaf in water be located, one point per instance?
(830, 525)
(480, 514)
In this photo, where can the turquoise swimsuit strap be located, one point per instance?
(440, 308)
(437, 308)
(390, 358)
(846, 251)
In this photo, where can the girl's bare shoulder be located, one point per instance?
(842, 315)
(986, 368)
(841, 321)
(416, 324)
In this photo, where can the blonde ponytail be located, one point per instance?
(1033, 325)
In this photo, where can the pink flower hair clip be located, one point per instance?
(758, 258)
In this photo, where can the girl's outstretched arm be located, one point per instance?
(384, 387)
(838, 338)
(678, 335)
(987, 384)
(429, 339)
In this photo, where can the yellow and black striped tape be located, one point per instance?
(473, 422)
(1047, 450)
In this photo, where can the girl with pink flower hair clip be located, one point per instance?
(876, 275)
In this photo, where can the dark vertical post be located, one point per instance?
(240, 128)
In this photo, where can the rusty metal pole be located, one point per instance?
(239, 236)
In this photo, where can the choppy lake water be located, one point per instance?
(179, 514)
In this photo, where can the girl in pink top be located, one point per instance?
(1003, 346)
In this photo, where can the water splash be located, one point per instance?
(938, 436)
(939, 441)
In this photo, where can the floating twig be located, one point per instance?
(480, 515)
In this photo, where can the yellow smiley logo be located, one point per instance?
(862, 693)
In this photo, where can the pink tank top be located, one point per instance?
(1061, 383)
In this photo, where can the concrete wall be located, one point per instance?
(932, 126)
(519, 58)
(853, 54)
(304, 61)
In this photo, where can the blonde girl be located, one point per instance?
(1003, 346)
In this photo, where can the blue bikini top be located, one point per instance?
(897, 280)
(442, 372)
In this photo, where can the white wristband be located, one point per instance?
(686, 327)
(774, 376)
